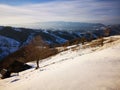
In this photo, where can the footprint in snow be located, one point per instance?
(14, 80)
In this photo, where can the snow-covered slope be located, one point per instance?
(7, 46)
(83, 69)
(57, 36)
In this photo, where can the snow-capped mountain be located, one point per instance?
(11, 38)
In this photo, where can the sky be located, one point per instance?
(33, 11)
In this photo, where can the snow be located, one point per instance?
(58, 39)
(71, 46)
(8, 45)
(45, 31)
(17, 29)
(30, 37)
(78, 33)
(5, 40)
(84, 69)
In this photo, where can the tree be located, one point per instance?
(83, 39)
(101, 40)
(90, 37)
(107, 32)
(39, 48)
(34, 51)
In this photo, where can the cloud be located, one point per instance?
(59, 10)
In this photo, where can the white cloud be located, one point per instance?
(77, 10)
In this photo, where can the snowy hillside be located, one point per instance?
(7, 46)
(57, 36)
(96, 68)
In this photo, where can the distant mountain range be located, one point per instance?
(61, 25)
(11, 38)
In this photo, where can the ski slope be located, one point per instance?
(84, 69)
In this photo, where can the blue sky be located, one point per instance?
(32, 11)
(21, 2)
